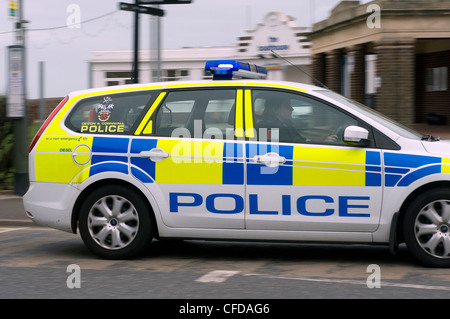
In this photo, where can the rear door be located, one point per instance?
(93, 138)
(185, 151)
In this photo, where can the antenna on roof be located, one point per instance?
(298, 68)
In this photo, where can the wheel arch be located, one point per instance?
(407, 202)
(104, 182)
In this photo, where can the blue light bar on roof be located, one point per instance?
(229, 69)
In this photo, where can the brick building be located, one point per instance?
(393, 55)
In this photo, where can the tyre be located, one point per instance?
(426, 228)
(115, 223)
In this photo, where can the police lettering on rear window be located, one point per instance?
(108, 114)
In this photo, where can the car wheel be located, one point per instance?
(115, 223)
(426, 228)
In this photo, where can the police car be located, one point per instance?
(236, 158)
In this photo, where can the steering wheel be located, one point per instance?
(339, 133)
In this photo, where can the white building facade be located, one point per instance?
(276, 43)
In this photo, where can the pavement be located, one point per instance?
(12, 212)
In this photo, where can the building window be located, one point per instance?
(171, 75)
(112, 83)
(184, 73)
(118, 74)
(118, 78)
(207, 75)
(436, 79)
(175, 75)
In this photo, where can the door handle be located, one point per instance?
(269, 159)
(155, 154)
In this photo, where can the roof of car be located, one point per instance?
(206, 83)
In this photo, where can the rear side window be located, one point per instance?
(109, 114)
(206, 113)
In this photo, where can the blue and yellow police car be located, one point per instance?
(236, 158)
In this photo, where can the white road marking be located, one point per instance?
(354, 282)
(217, 276)
(4, 230)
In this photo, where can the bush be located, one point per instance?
(6, 148)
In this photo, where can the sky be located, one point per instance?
(65, 51)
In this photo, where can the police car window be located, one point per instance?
(294, 118)
(108, 114)
(199, 113)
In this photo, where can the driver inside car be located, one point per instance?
(278, 122)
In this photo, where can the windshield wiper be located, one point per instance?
(430, 138)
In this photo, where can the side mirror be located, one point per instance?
(356, 135)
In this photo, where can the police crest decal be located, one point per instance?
(105, 109)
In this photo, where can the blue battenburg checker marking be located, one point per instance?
(139, 145)
(146, 165)
(373, 158)
(140, 175)
(373, 169)
(233, 164)
(259, 174)
(391, 180)
(398, 168)
(110, 145)
(420, 173)
(109, 163)
(108, 158)
(109, 167)
(408, 160)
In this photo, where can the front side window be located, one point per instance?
(199, 113)
(108, 114)
(293, 118)
(395, 126)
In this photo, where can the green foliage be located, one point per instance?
(6, 148)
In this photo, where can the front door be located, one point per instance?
(301, 176)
